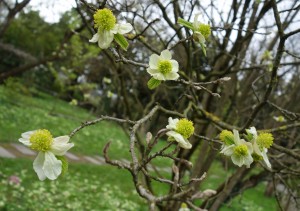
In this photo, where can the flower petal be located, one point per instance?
(265, 157)
(248, 160)
(175, 66)
(38, 165)
(253, 131)
(25, 141)
(166, 54)
(60, 145)
(52, 166)
(152, 71)
(249, 146)
(159, 76)
(95, 38)
(236, 137)
(172, 123)
(172, 76)
(153, 62)
(105, 39)
(237, 160)
(199, 37)
(184, 143)
(228, 150)
(124, 28)
(196, 23)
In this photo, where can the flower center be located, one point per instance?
(204, 29)
(185, 128)
(265, 140)
(241, 150)
(41, 140)
(104, 20)
(164, 66)
(227, 137)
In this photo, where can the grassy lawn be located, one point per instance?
(20, 113)
(85, 187)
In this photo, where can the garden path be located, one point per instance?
(14, 150)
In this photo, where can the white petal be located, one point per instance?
(153, 62)
(25, 141)
(196, 23)
(172, 76)
(38, 165)
(236, 137)
(152, 71)
(253, 131)
(172, 123)
(249, 146)
(27, 135)
(52, 166)
(248, 160)
(95, 38)
(159, 76)
(174, 65)
(166, 54)
(184, 143)
(237, 160)
(199, 37)
(266, 159)
(60, 145)
(105, 39)
(228, 150)
(256, 148)
(124, 28)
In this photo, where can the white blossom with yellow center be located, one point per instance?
(261, 143)
(180, 131)
(240, 152)
(46, 164)
(163, 67)
(201, 30)
(106, 25)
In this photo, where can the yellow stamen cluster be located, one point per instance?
(164, 66)
(226, 135)
(204, 29)
(104, 20)
(265, 140)
(185, 127)
(241, 150)
(41, 140)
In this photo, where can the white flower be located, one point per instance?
(259, 150)
(106, 25)
(180, 131)
(240, 152)
(163, 67)
(46, 164)
(197, 34)
(104, 38)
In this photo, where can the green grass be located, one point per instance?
(85, 187)
(20, 113)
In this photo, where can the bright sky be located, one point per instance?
(51, 10)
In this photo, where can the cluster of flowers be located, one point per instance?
(245, 152)
(162, 67)
(50, 162)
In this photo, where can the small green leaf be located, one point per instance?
(65, 165)
(153, 83)
(121, 40)
(185, 23)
